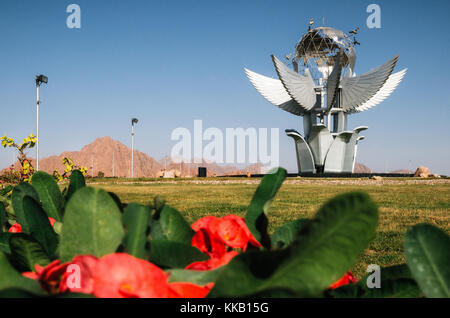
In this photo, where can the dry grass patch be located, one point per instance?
(402, 204)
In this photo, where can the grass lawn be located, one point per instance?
(402, 203)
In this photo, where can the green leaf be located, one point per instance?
(347, 291)
(170, 225)
(19, 192)
(27, 252)
(399, 288)
(16, 293)
(64, 193)
(395, 282)
(91, 225)
(394, 272)
(6, 201)
(158, 204)
(275, 293)
(76, 183)
(49, 194)
(174, 254)
(5, 190)
(329, 245)
(117, 200)
(285, 235)
(256, 217)
(427, 251)
(136, 221)
(4, 242)
(57, 227)
(10, 278)
(250, 273)
(194, 277)
(325, 248)
(39, 226)
(2, 217)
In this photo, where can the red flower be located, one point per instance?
(214, 235)
(213, 262)
(15, 228)
(188, 290)
(52, 221)
(116, 275)
(206, 242)
(122, 275)
(348, 278)
(204, 222)
(79, 279)
(30, 275)
(231, 230)
(49, 276)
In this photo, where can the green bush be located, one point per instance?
(301, 259)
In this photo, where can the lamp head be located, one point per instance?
(41, 79)
(134, 121)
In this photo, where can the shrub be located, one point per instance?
(27, 169)
(71, 242)
(69, 167)
(10, 176)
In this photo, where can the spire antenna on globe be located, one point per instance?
(323, 88)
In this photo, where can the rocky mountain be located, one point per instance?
(191, 169)
(404, 171)
(113, 158)
(360, 168)
(106, 155)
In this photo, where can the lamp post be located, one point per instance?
(133, 121)
(39, 80)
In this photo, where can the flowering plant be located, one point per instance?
(10, 176)
(85, 241)
(69, 167)
(27, 168)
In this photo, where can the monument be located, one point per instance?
(323, 88)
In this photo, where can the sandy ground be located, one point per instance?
(343, 181)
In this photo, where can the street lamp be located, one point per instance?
(133, 121)
(39, 80)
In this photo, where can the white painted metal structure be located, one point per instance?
(37, 125)
(328, 58)
(133, 121)
(39, 80)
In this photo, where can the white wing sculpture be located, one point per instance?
(326, 144)
(391, 84)
(301, 88)
(359, 89)
(274, 91)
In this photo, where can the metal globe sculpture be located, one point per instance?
(322, 87)
(318, 49)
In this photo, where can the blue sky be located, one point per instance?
(170, 62)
